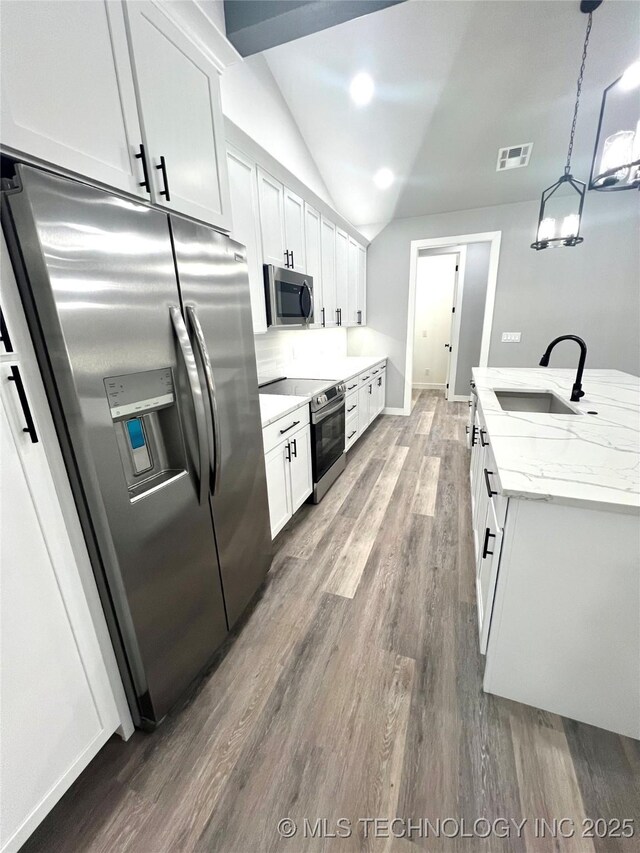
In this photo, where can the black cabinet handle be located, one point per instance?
(371, 388)
(351, 387)
(163, 169)
(295, 447)
(145, 169)
(323, 322)
(295, 423)
(352, 408)
(339, 316)
(293, 263)
(352, 434)
(490, 491)
(359, 318)
(485, 548)
(364, 378)
(5, 340)
(466, 429)
(380, 381)
(288, 449)
(30, 427)
(474, 430)
(484, 443)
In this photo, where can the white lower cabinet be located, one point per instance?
(288, 464)
(365, 400)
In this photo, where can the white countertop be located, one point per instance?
(275, 406)
(339, 369)
(575, 459)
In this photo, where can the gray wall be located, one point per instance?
(590, 290)
(472, 313)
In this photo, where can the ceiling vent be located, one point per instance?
(514, 157)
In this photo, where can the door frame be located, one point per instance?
(457, 241)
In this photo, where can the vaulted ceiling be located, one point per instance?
(454, 82)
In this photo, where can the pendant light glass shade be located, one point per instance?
(616, 156)
(560, 214)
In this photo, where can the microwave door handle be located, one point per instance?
(196, 397)
(214, 434)
(308, 313)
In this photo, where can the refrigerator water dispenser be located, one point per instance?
(148, 433)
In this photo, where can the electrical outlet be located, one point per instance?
(511, 337)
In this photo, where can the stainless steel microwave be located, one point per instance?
(289, 297)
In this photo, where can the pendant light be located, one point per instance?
(561, 214)
(616, 155)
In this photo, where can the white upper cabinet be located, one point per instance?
(351, 314)
(361, 308)
(178, 90)
(69, 98)
(294, 231)
(328, 262)
(312, 257)
(243, 188)
(271, 203)
(342, 275)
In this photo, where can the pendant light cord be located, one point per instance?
(567, 168)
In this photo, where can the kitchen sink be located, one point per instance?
(533, 401)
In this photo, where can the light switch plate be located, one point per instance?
(511, 337)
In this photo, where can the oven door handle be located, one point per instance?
(325, 412)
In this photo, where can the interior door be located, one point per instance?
(82, 113)
(212, 271)
(244, 210)
(294, 230)
(179, 94)
(328, 259)
(271, 202)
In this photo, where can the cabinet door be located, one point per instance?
(67, 89)
(487, 573)
(380, 391)
(56, 703)
(328, 258)
(278, 487)
(294, 230)
(178, 90)
(342, 275)
(243, 189)
(312, 257)
(271, 204)
(361, 307)
(351, 314)
(301, 477)
(364, 407)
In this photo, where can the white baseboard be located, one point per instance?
(391, 410)
(427, 386)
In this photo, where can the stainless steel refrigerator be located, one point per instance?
(142, 325)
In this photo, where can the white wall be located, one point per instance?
(252, 100)
(590, 290)
(435, 283)
(276, 349)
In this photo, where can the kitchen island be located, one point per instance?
(555, 493)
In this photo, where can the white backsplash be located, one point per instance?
(276, 349)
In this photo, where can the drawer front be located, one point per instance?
(365, 376)
(351, 405)
(351, 432)
(490, 482)
(352, 385)
(284, 427)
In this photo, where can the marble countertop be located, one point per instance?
(572, 459)
(275, 406)
(339, 369)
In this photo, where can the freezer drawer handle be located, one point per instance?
(163, 168)
(295, 423)
(30, 427)
(145, 169)
(485, 548)
(197, 398)
(490, 491)
(215, 451)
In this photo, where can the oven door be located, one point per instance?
(327, 436)
(289, 296)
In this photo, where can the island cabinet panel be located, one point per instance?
(565, 630)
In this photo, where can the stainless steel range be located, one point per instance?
(327, 426)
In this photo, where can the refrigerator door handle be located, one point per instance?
(197, 397)
(211, 388)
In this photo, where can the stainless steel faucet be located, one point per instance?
(576, 391)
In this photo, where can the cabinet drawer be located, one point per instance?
(351, 432)
(279, 430)
(365, 376)
(351, 406)
(352, 385)
(490, 482)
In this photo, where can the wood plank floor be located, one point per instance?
(354, 690)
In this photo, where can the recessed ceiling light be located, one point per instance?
(383, 178)
(362, 88)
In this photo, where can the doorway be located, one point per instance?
(470, 332)
(435, 329)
